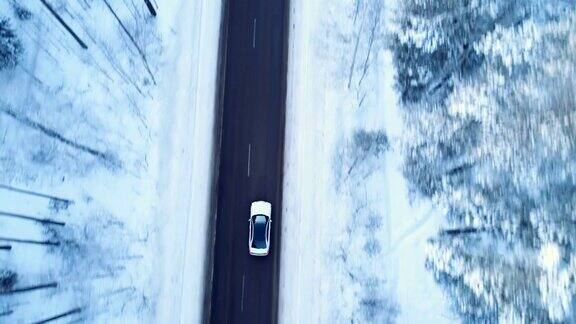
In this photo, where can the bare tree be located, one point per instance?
(25, 241)
(150, 7)
(61, 200)
(60, 316)
(29, 288)
(57, 136)
(138, 48)
(6, 312)
(43, 221)
(64, 24)
(462, 230)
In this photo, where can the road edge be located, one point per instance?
(217, 142)
(281, 150)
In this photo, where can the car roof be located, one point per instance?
(260, 225)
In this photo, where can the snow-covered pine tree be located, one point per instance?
(495, 146)
(10, 46)
(435, 42)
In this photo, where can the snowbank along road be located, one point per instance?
(244, 289)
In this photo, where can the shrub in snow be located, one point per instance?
(10, 46)
(371, 142)
(21, 12)
(7, 280)
(357, 156)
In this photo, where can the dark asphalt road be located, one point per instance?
(245, 288)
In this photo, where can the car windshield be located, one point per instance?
(259, 240)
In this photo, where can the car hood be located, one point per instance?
(261, 208)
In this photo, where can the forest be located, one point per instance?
(487, 92)
(76, 78)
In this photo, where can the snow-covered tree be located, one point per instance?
(494, 143)
(10, 46)
(488, 281)
(435, 40)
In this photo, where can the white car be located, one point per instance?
(259, 227)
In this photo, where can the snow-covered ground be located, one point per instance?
(353, 245)
(134, 117)
(185, 164)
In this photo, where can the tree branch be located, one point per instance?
(55, 135)
(140, 51)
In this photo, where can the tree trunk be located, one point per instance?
(59, 316)
(140, 51)
(57, 136)
(6, 312)
(57, 16)
(15, 240)
(43, 221)
(462, 230)
(150, 7)
(37, 194)
(27, 289)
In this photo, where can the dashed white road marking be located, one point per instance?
(249, 153)
(242, 305)
(254, 34)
